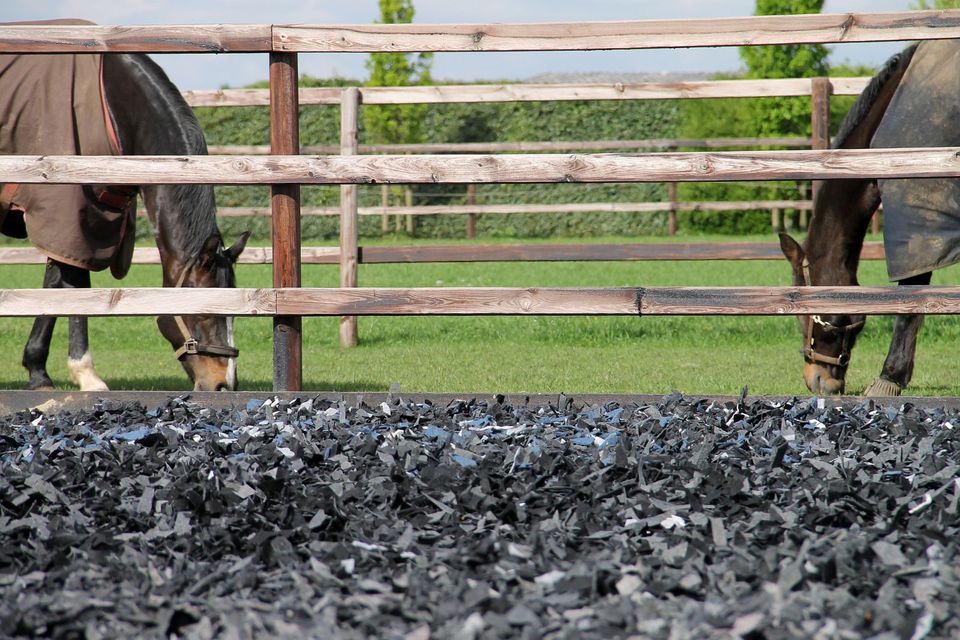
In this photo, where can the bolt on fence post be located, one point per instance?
(285, 209)
(349, 235)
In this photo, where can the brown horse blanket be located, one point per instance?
(922, 215)
(53, 105)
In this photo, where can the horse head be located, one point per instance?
(204, 344)
(827, 339)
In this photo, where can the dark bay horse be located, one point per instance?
(912, 102)
(148, 116)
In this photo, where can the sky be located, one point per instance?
(212, 71)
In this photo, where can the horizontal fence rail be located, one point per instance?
(551, 36)
(932, 162)
(491, 253)
(567, 207)
(644, 301)
(500, 147)
(446, 94)
(627, 34)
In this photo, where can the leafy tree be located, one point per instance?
(757, 117)
(779, 116)
(390, 124)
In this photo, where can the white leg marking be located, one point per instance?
(83, 374)
(231, 362)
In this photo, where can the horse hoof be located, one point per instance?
(881, 388)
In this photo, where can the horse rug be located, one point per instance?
(921, 216)
(54, 105)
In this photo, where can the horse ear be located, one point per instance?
(791, 249)
(234, 251)
(794, 253)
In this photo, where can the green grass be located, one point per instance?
(696, 355)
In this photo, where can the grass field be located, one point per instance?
(651, 355)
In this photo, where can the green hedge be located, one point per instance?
(506, 122)
(498, 122)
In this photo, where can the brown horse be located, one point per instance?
(912, 102)
(147, 116)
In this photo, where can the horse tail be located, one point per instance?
(861, 110)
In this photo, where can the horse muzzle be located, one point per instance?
(821, 381)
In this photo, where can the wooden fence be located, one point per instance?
(285, 170)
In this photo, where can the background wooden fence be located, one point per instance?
(286, 170)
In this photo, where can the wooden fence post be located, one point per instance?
(285, 207)
(820, 90)
(471, 217)
(672, 197)
(349, 235)
(385, 201)
(672, 215)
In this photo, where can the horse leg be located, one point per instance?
(35, 354)
(79, 364)
(79, 360)
(38, 344)
(898, 366)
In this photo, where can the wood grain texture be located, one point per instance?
(491, 253)
(193, 38)
(458, 301)
(473, 93)
(800, 300)
(349, 217)
(527, 146)
(137, 302)
(569, 207)
(560, 36)
(516, 168)
(628, 34)
(732, 301)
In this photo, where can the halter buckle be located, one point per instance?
(190, 348)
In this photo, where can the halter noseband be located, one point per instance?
(191, 346)
(809, 350)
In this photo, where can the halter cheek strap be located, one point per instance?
(191, 346)
(809, 350)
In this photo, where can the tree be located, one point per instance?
(396, 123)
(403, 123)
(784, 116)
(758, 117)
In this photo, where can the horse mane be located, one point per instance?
(182, 136)
(864, 102)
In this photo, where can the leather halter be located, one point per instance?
(847, 332)
(191, 346)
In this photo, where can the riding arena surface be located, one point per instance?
(497, 517)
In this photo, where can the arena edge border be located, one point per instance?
(12, 402)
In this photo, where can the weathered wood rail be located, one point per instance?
(550, 36)
(928, 162)
(285, 170)
(669, 301)
(491, 253)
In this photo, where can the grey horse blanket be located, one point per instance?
(53, 105)
(921, 216)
